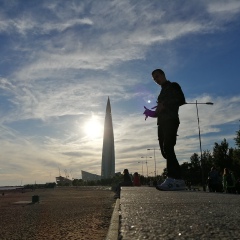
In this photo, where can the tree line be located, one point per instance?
(221, 157)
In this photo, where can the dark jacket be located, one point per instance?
(172, 97)
(127, 178)
(213, 177)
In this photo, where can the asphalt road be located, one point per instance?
(146, 213)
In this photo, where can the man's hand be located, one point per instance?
(158, 108)
(149, 113)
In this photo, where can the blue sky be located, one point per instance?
(60, 60)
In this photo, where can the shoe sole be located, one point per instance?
(160, 189)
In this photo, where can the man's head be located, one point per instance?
(159, 76)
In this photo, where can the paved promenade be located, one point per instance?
(146, 213)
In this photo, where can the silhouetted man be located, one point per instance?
(169, 100)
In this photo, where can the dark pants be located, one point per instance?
(231, 190)
(213, 187)
(167, 137)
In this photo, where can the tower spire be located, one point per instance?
(108, 150)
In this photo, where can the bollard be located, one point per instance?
(35, 198)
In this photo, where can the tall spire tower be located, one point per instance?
(108, 151)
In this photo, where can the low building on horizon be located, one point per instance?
(63, 181)
(87, 176)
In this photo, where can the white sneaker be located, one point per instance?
(171, 184)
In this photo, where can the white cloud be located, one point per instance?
(6, 85)
(98, 48)
(28, 25)
(224, 7)
(48, 27)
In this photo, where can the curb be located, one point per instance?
(113, 230)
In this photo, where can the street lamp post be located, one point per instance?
(154, 160)
(142, 166)
(200, 142)
(147, 163)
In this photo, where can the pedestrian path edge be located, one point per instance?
(113, 230)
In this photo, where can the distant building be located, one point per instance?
(87, 176)
(62, 180)
(108, 150)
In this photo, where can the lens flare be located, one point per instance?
(93, 128)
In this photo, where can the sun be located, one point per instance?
(93, 128)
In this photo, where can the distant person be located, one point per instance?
(237, 186)
(169, 100)
(228, 181)
(213, 180)
(136, 179)
(154, 183)
(150, 183)
(127, 181)
(189, 185)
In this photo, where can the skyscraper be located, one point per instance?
(108, 151)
